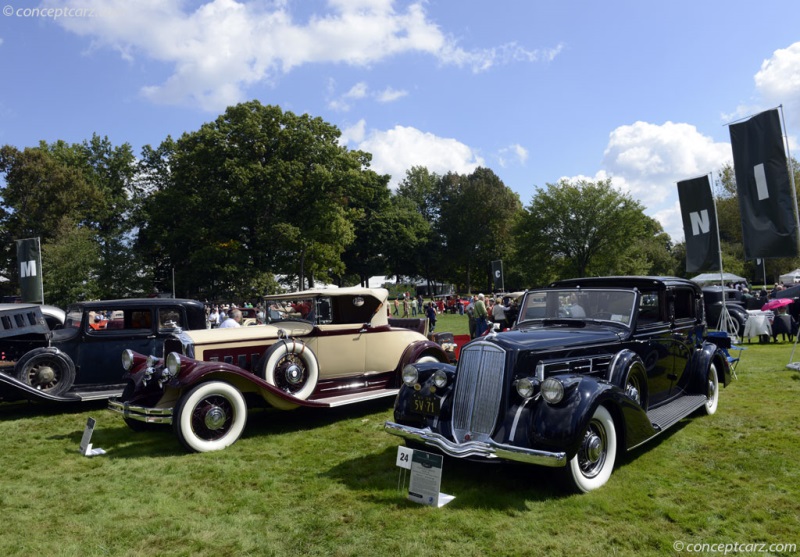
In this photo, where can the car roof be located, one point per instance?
(381, 293)
(640, 282)
(124, 302)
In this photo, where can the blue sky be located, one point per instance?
(637, 91)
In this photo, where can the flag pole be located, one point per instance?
(41, 269)
(726, 322)
(791, 170)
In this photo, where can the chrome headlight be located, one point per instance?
(127, 359)
(152, 361)
(173, 366)
(552, 390)
(440, 378)
(525, 387)
(410, 375)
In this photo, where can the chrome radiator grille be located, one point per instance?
(479, 387)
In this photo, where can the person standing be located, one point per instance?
(430, 311)
(481, 316)
(213, 318)
(499, 313)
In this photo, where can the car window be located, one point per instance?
(169, 318)
(580, 304)
(111, 319)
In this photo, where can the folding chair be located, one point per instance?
(723, 342)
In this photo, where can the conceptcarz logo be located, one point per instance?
(27, 269)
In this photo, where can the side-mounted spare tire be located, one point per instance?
(291, 366)
(46, 369)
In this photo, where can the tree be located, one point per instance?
(256, 191)
(478, 213)
(586, 228)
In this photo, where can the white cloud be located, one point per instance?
(778, 79)
(390, 95)
(396, 150)
(647, 161)
(353, 134)
(516, 152)
(223, 46)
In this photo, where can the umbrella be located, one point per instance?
(776, 303)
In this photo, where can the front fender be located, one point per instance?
(417, 349)
(561, 426)
(13, 389)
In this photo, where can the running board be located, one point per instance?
(342, 400)
(668, 415)
(85, 396)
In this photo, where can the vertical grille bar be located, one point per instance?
(479, 388)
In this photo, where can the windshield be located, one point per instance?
(314, 310)
(579, 303)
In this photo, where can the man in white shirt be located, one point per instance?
(234, 320)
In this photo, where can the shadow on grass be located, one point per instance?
(511, 485)
(24, 409)
(120, 441)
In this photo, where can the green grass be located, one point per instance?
(325, 483)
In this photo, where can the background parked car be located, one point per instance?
(81, 359)
(320, 348)
(734, 302)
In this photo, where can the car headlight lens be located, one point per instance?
(525, 387)
(127, 359)
(410, 375)
(152, 361)
(552, 390)
(173, 364)
(440, 378)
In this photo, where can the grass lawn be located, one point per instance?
(324, 482)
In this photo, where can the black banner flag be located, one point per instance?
(699, 225)
(29, 257)
(497, 275)
(769, 224)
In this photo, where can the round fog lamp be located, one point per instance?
(525, 388)
(552, 390)
(410, 375)
(152, 361)
(440, 378)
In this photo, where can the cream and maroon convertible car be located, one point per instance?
(319, 348)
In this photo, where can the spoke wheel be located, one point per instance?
(292, 367)
(210, 417)
(51, 373)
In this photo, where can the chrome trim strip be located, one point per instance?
(518, 414)
(477, 449)
(141, 413)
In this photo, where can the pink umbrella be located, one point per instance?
(775, 304)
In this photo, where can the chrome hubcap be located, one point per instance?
(294, 374)
(215, 418)
(592, 454)
(594, 448)
(45, 374)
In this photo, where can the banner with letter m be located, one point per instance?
(766, 200)
(29, 257)
(699, 225)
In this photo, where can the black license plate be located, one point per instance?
(427, 405)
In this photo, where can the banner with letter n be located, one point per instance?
(29, 256)
(497, 275)
(766, 200)
(699, 225)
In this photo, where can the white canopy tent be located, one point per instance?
(707, 278)
(791, 277)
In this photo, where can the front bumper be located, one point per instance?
(477, 449)
(141, 413)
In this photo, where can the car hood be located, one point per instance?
(541, 338)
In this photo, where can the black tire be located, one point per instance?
(50, 372)
(290, 366)
(210, 417)
(591, 467)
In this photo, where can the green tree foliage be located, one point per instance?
(89, 185)
(478, 213)
(588, 228)
(71, 260)
(256, 191)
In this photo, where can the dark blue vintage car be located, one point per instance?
(592, 367)
(81, 360)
